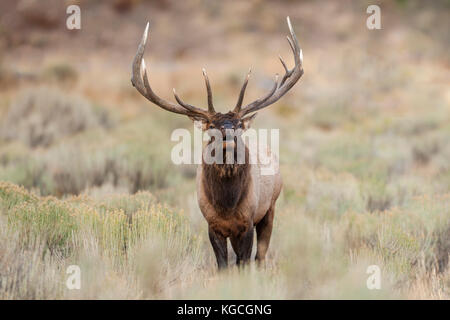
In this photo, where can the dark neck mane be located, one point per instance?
(226, 185)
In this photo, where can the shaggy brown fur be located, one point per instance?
(225, 185)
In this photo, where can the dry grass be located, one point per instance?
(132, 247)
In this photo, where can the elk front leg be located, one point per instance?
(242, 246)
(219, 244)
(263, 234)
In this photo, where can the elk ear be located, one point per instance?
(199, 123)
(246, 122)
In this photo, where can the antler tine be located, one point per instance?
(254, 105)
(242, 93)
(289, 79)
(290, 43)
(283, 63)
(182, 103)
(287, 72)
(140, 82)
(136, 76)
(209, 92)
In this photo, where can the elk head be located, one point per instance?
(237, 119)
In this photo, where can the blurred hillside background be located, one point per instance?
(365, 147)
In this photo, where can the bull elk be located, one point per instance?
(234, 198)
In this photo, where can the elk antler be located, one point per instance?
(278, 90)
(208, 90)
(140, 82)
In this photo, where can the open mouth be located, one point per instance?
(229, 143)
